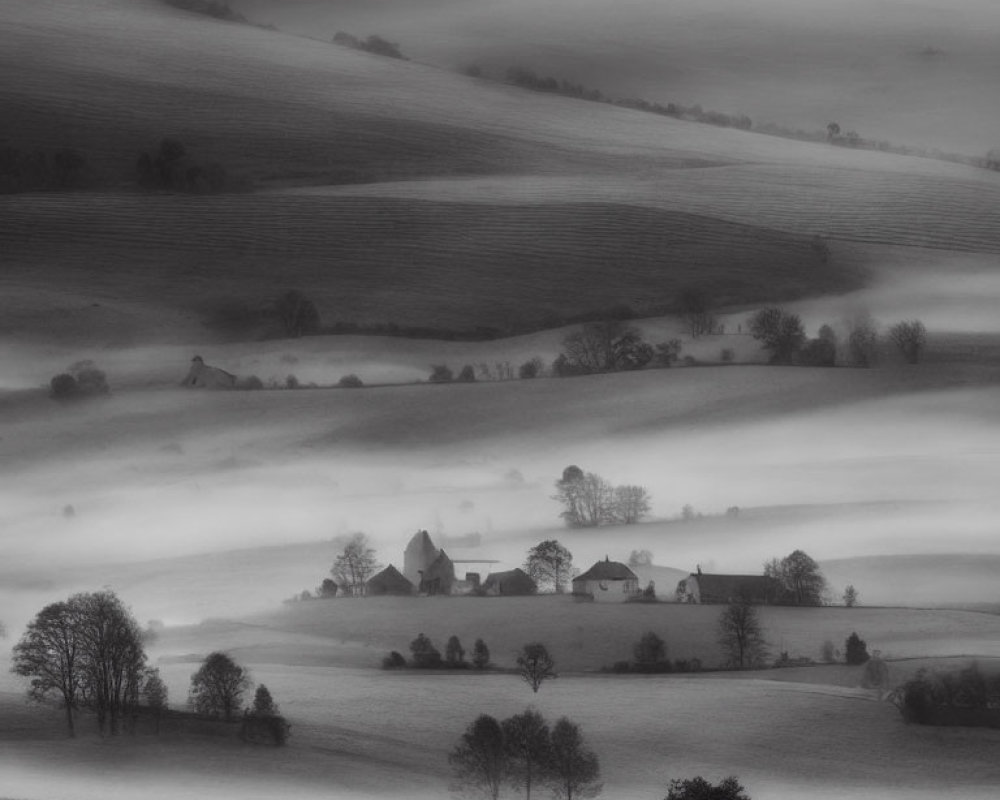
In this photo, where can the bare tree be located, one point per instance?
(535, 665)
(779, 332)
(479, 760)
(629, 504)
(549, 562)
(574, 771)
(862, 341)
(526, 738)
(696, 310)
(50, 654)
(355, 565)
(910, 338)
(741, 636)
(217, 688)
(297, 314)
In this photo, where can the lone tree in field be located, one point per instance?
(850, 596)
(154, 692)
(355, 565)
(480, 655)
(263, 703)
(779, 332)
(88, 651)
(526, 738)
(479, 760)
(741, 636)
(700, 789)
(550, 563)
(800, 579)
(910, 339)
(862, 342)
(855, 650)
(573, 769)
(217, 688)
(649, 650)
(424, 654)
(535, 665)
(297, 314)
(454, 654)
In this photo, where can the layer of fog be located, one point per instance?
(874, 67)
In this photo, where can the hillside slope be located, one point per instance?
(456, 200)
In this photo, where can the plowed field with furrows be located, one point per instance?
(398, 259)
(867, 206)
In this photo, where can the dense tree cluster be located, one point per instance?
(523, 752)
(609, 346)
(82, 379)
(589, 500)
(171, 169)
(798, 579)
(373, 44)
(956, 697)
(296, 314)
(23, 171)
(88, 652)
(700, 789)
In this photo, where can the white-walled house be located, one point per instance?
(607, 582)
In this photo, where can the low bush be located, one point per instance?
(251, 383)
(394, 660)
(441, 373)
(350, 382)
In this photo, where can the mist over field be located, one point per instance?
(260, 293)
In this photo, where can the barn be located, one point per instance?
(512, 582)
(202, 376)
(607, 582)
(704, 588)
(439, 577)
(389, 581)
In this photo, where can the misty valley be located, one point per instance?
(491, 398)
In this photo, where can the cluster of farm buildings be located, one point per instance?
(428, 570)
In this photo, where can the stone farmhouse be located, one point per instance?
(607, 582)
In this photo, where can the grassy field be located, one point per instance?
(873, 67)
(784, 739)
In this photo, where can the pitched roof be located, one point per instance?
(517, 575)
(734, 585)
(607, 570)
(390, 576)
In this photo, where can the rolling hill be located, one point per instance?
(438, 197)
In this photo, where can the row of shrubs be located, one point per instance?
(373, 44)
(957, 697)
(424, 655)
(24, 171)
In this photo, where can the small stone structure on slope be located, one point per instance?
(202, 376)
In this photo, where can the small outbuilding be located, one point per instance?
(607, 582)
(389, 581)
(512, 582)
(202, 376)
